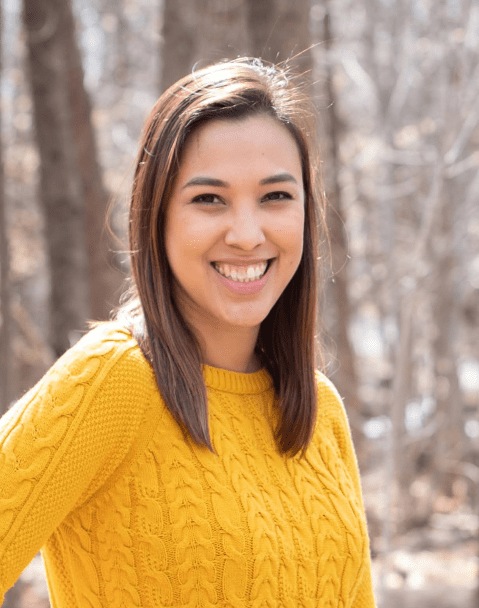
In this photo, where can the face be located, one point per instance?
(234, 222)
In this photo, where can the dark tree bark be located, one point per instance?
(279, 30)
(13, 596)
(6, 355)
(212, 30)
(104, 280)
(202, 32)
(178, 41)
(60, 189)
(223, 31)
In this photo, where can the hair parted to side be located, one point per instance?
(286, 344)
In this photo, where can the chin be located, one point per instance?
(249, 322)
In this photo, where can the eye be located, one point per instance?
(277, 196)
(207, 199)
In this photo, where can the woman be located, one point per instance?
(187, 453)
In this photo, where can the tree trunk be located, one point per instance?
(178, 40)
(450, 439)
(201, 32)
(6, 353)
(223, 31)
(60, 190)
(104, 281)
(13, 596)
(280, 30)
(337, 293)
(122, 71)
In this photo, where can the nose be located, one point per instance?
(245, 230)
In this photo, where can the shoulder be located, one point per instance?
(332, 416)
(106, 349)
(106, 343)
(329, 400)
(109, 370)
(87, 408)
(104, 375)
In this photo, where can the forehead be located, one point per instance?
(237, 141)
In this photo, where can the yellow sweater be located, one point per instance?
(129, 513)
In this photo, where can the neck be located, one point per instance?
(231, 350)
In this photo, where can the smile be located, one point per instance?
(242, 274)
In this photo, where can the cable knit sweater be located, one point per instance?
(130, 513)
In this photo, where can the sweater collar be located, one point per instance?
(236, 382)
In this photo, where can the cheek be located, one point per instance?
(188, 239)
(290, 236)
(296, 242)
(181, 238)
(298, 252)
(192, 244)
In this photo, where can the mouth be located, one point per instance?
(242, 274)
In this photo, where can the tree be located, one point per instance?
(104, 280)
(211, 30)
(60, 186)
(6, 392)
(202, 32)
(280, 30)
(337, 292)
(6, 321)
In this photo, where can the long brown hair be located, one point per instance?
(286, 343)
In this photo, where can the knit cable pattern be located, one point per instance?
(59, 443)
(131, 513)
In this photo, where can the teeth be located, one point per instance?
(242, 274)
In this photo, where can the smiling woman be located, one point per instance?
(235, 127)
(189, 452)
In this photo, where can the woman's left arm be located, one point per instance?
(364, 596)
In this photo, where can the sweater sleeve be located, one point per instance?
(338, 418)
(65, 438)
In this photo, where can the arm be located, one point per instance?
(338, 419)
(63, 440)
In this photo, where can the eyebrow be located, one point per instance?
(203, 180)
(276, 179)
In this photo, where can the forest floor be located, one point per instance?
(441, 578)
(432, 565)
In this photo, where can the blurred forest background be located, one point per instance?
(396, 84)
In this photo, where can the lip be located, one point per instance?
(249, 288)
(242, 261)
